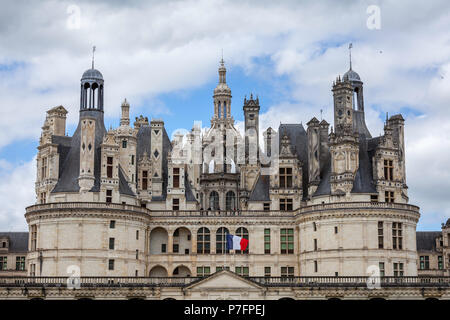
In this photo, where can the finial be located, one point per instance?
(350, 46)
(321, 111)
(221, 61)
(93, 50)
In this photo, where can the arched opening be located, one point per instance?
(243, 233)
(211, 166)
(158, 271)
(181, 271)
(214, 200)
(225, 110)
(182, 241)
(233, 166)
(158, 241)
(203, 241)
(286, 299)
(221, 240)
(84, 96)
(230, 203)
(94, 104)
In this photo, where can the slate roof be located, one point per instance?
(188, 190)
(261, 190)
(124, 188)
(426, 240)
(18, 241)
(363, 182)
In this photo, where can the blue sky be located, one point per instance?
(163, 57)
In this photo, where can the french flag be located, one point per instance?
(236, 243)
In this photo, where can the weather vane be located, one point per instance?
(350, 46)
(93, 50)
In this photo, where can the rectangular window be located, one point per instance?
(335, 229)
(287, 241)
(380, 235)
(397, 236)
(314, 226)
(440, 263)
(203, 271)
(32, 270)
(109, 167)
(285, 177)
(398, 269)
(44, 168)
(124, 143)
(242, 271)
(111, 243)
(176, 247)
(33, 237)
(137, 234)
(389, 196)
(424, 262)
(388, 170)
(163, 248)
(315, 244)
(137, 254)
(316, 268)
(382, 271)
(175, 204)
(374, 198)
(222, 268)
(266, 241)
(111, 264)
(112, 224)
(43, 197)
(176, 177)
(266, 206)
(267, 272)
(144, 179)
(132, 159)
(108, 196)
(287, 272)
(3, 263)
(285, 204)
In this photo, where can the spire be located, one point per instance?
(93, 50)
(350, 46)
(222, 72)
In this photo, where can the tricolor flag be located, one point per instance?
(236, 243)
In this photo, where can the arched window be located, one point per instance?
(214, 200)
(203, 241)
(221, 240)
(243, 233)
(230, 200)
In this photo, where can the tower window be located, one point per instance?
(285, 204)
(111, 264)
(144, 179)
(388, 170)
(44, 168)
(267, 241)
(176, 177)
(397, 236)
(389, 196)
(33, 237)
(380, 235)
(287, 241)
(124, 144)
(108, 196)
(112, 224)
(176, 204)
(111, 243)
(132, 159)
(398, 269)
(285, 177)
(109, 167)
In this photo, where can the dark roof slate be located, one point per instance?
(18, 241)
(261, 190)
(426, 240)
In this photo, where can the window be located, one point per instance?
(424, 262)
(176, 177)
(380, 235)
(144, 179)
(266, 206)
(397, 235)
(389, 196)
(175, 204)
(203, 271)
(316, 268)
(3, 244)
(214, 200)
(109, 167)
(285, 204)
(137, 234)
(33, 237)
(163, 248)
(285, 177)
(267, 241)
(374, 198)
(111, 264)
(124, 143)
(108, 196)
(203, 241)
(222, 268)
(242, 271)
(112, 224)
(314, 226)
(230, 203)
(221, 240)
(398, 269)
(20, 263)
(32, 270)
(132, 159)
(176, 248)
(315, 244)
(44, 168)
(335, 229)
(3, 263)
(388, 170)
(381, 267)
(43, 197)
(287, 272)
(243, 233)
(111, 243)
(440, 263)
(267, 272)
(287, 241)
(137, 254)
(136, 273)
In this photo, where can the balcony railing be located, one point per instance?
(323, 281)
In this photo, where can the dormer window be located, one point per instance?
(388, 170)
(285, 177)
(176, 177)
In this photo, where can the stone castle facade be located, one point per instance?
(130, 202)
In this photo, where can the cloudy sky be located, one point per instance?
(163, 57)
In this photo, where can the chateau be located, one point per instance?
(318, 200)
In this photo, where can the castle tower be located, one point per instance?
(314, 151)
(251, 115)
(222, 97)
(87, 152)
(127, 140)
(343, 105)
